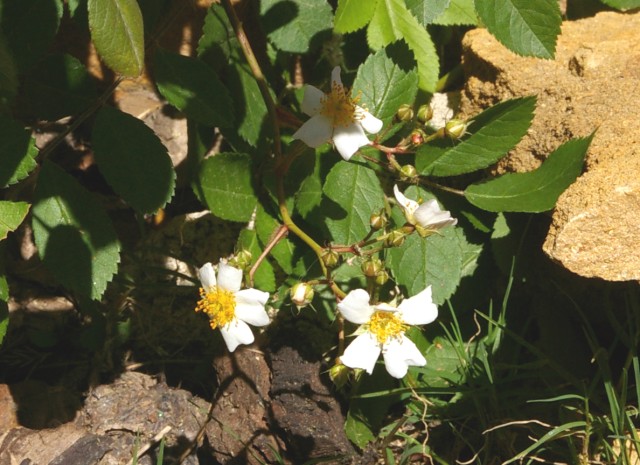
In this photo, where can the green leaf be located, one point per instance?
(356, 189)
(459, 12)
(385, 81)
(133, 160)
(352, 15)
(392, 21)
(309, 196)
(296, 26)
(194, 88)
(264, 277)
(117, 32)
(58, 86)
(426, 11)
(225, 185)
(525, 27)
(11, 215)
(493, 132)
(436, 261)
(217, 40)
(8, 74)
(444, 367)
(357, 430)
(622, 4)
(535, 191)
(29, 27)
(17, 151)
(267, 226)
(74, 235)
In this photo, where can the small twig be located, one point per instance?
(279, 234)
(157, 438)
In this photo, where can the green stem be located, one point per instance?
(257, 73)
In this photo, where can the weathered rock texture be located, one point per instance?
(592, 84)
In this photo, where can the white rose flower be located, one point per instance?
(427, 216)
(336, 117)
(382, 331)
(228, 307)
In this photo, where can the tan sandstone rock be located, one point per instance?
(592, 84)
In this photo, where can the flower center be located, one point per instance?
(384, 325)
(339, 107)
(219, 305)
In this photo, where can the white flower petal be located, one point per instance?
(355, 307)
(207, 276)
(335, 76)
(312, 100)
(235, 333)
(362, 353)
(370, 123)
(348, 139)
(229, 277)
(419, 309)
(408, 206)
(250, 306)
(399, 355)
(315, 131)
(430, 216)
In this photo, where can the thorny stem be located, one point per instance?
(257, 73)
(280, 233)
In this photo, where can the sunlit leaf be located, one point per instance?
(385, 81)
(74, 235)
(117, 32)
(352, 15)
(622, 4)
(392, 21)
(459, 12)
(356, 191)
(535, 191)
(492, 133)
(225, 185)
(525, 27)
(426, 11)
(11, 215)
(133, 160)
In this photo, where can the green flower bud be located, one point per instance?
(382, 277)
(372, 267)
(301, 294)
(378, 220)
(425, 113)
(405, 113)
(408, 172)
(395, 238)
(242, 260)
(339, 374)
(455, 129)
(330, 258)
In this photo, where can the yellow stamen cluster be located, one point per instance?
(339, 107)
(219, 305)
(384, 325)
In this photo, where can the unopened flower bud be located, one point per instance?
(408, 172)
(455, 129)
(425, 113)
(330, 258)
(405, 113)
(395, 238)
(339, 374)
(378, 220)
(242, 260)
(382, 277)
(372, 267)
(417, 137)
(301, 294)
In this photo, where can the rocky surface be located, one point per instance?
(589, 85)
